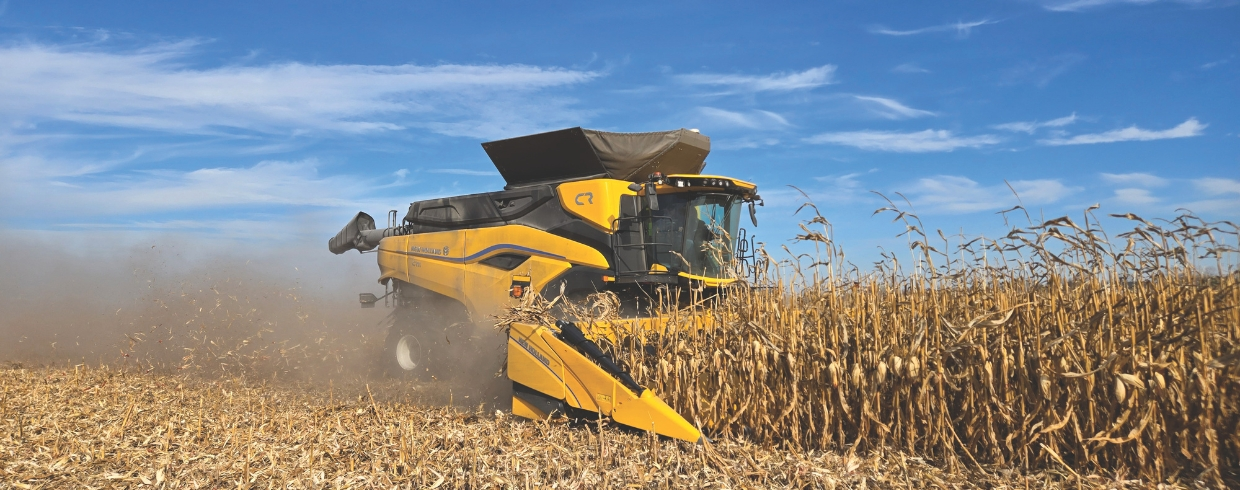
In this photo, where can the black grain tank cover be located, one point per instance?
(576, 154)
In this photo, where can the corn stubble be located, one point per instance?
(112, 428)
(1054, 348)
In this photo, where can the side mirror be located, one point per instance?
(652, 199)
(368, 300)
(753, 214)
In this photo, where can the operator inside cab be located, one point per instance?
(694, 233)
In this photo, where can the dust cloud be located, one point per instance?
(273, 314)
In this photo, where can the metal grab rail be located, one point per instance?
(745, 255)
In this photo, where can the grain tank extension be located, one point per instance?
(583, 211)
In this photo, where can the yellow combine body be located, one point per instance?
(584, 212)
(451, 263)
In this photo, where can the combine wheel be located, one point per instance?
(426, 344)
(406, 352)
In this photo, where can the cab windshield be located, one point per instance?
(696, 233)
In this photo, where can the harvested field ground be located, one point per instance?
(107, 428)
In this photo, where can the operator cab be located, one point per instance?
(681, 229)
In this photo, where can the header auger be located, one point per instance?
(583, 211)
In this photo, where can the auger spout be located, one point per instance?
(360, 234)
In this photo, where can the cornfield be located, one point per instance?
(1053, 347)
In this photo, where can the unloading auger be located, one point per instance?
(583, 211)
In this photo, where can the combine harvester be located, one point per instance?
(584, 211)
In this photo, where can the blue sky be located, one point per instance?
(275, 121)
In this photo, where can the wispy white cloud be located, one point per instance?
(1062, 121)
(1226, 206)
(1138, 179)
(1135, 197)
(1079, 5)
(461, 171)
(169, 225)
(914, 142)
(1216, 185)
(1020, 127)
(775, 82)
(1220, 195)
(757, 119)
(892, 109)
(267, 183)
(1187, 129)
(743, 143)
(846, 181)
(956, 194)
(962, 29)
(1032, 126)
(833, 189)
(1207, 194)
(158, 88)
(841, 188)
(909, 68)
(1216, 63)
(1040, 72)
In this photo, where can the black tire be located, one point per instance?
(409, 347)
(428, 344)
